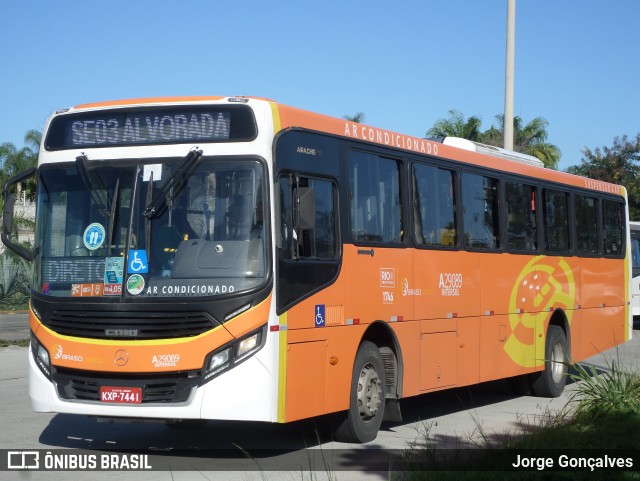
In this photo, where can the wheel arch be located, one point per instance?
(559, 318)
(383, 336)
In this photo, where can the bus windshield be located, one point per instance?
(95, 240)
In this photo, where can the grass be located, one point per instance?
(602, 415)
(16, 342)
(616, 391)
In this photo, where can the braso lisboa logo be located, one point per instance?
(544, 284)
(60, 354)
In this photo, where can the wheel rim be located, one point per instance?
(557, 362)
(369, 390)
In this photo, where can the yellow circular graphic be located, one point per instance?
(544, 284)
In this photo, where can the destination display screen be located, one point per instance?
(112, 128)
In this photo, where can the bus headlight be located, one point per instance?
(219, 360)
(41, 356)
(247, 345)
(233, 353)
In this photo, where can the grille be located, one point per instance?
(161, 388)
(129, 325)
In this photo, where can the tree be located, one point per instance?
(14, 161)
(528, 139)
(358, 118)
(618, 164)
(456, 126)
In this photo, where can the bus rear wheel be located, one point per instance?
(551, 381)
(360, 424)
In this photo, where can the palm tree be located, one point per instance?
(529, 139)
(14, 161)
(456, 126)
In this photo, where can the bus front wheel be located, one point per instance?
(361, 422)
(551, 381)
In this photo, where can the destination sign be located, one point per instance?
(111, 128)
(73, 270)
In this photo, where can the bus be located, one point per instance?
(233, 258)
(634, 226)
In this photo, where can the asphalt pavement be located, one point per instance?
(14, 325)
(455, 418)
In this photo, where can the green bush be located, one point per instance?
(614, 391)
(15, 273)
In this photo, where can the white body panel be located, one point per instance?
(248, 391)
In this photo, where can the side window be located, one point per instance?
(375, 210)
(635, 252)
(556, 220)
(586, 225)
(522, 231)
(480, 207)
(613, 224)
(308, 218)
(434, 207)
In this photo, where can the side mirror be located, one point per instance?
(306, 208)
(8, 215)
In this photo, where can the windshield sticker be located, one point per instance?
(113, 275)
(86, 290)
(177, 288)
(135, 284)
(149, 169)
(138, 263)
(94, 236)
(112, 289)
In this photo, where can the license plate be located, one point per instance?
(124, 395)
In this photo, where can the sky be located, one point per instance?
(403, 63)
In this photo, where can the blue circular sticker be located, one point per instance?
(94, 236)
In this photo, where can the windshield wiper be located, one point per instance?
(112, 215)
(93, 184)
(155, 207)
(99, 195)
(147, 219)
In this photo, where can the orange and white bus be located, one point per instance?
(235, 258)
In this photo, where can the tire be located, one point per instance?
(520, 385)
(551, 381)
(360, 424)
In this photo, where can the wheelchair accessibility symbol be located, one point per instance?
(138, 263)
(320, 319)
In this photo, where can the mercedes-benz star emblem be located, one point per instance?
(121, 358)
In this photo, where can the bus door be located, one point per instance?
(377, 264)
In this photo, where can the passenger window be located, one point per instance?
(614, 239)
(522, 231)
(556, 220)
(434, 208)
(376, 210)
(480, 207)
(586, 225)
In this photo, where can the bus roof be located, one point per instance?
(455, 149)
